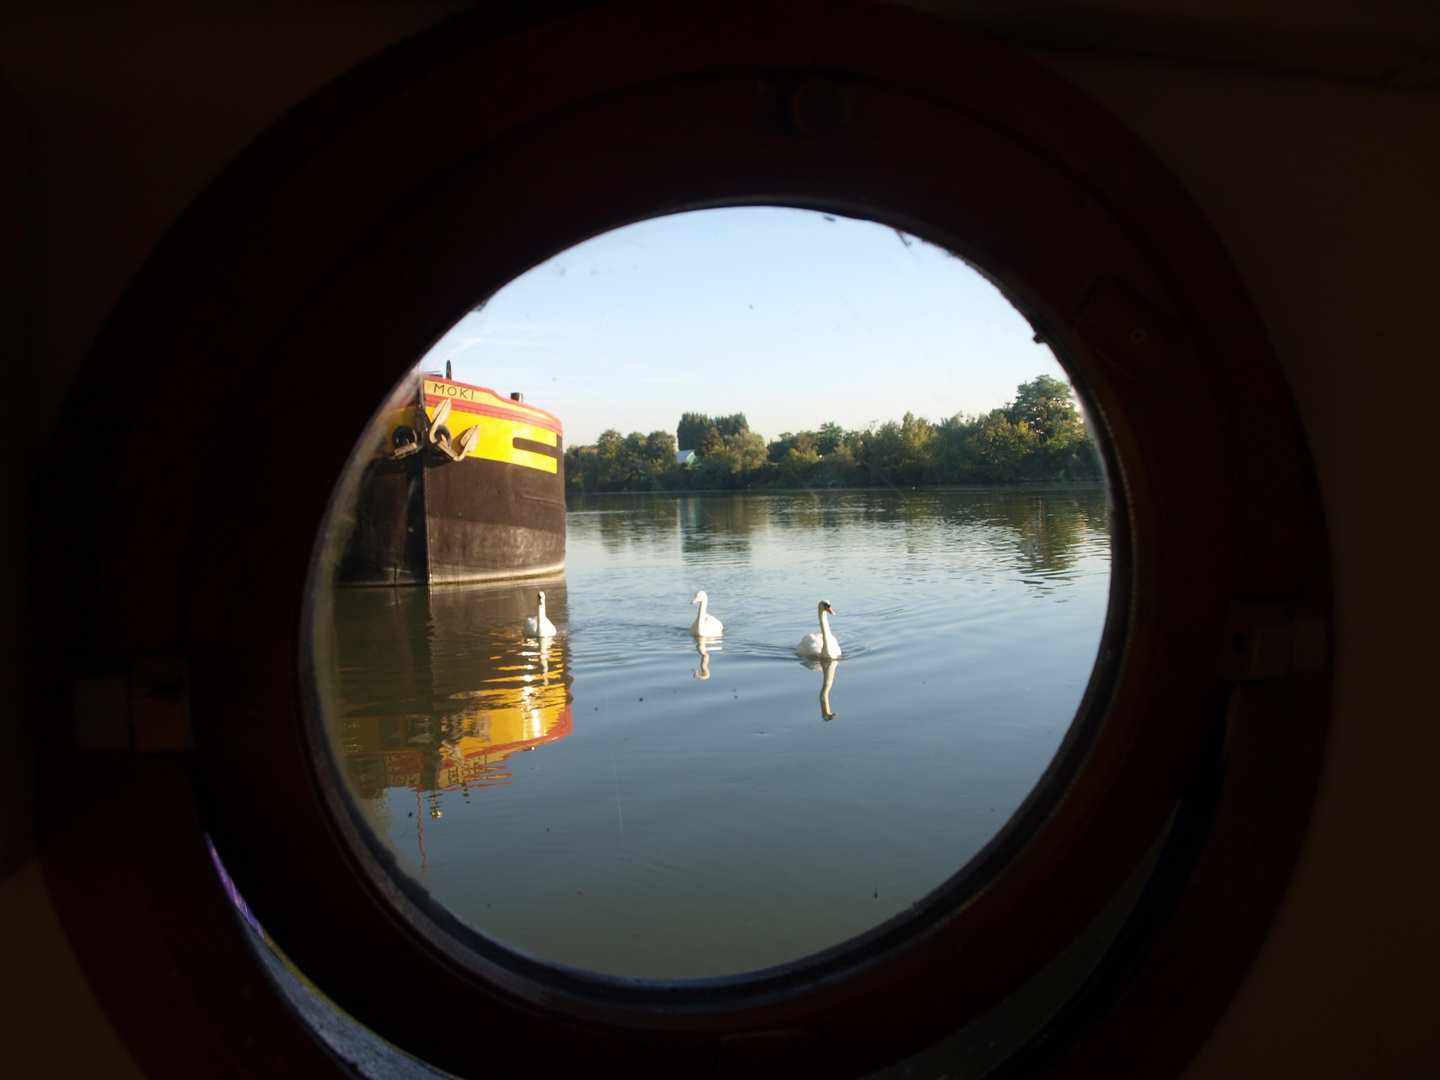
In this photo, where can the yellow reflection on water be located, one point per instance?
(434, 689)
(525, 704)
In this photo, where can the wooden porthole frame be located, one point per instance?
(255, 345)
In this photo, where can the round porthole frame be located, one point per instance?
(324, 262)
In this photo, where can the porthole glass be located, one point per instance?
(712, 593)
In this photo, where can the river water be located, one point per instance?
(624, 799)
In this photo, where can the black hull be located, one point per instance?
(424, 519)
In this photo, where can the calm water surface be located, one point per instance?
(623, 799)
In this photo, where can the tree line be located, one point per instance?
(1038, 436)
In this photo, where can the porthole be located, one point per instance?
(685, 811)
(1171, 823)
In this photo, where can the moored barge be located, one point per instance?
(463, 485)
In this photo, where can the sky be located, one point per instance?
(793, 317)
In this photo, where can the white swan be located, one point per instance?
(824, 644)
(538, 625)
(705, 624)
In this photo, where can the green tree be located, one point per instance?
(830, 436)
(1002, 447)
(1070, 453)
(1041, 435)
(734, 462)
(839, 467)
(880, 452)
(660, 469)
(914, 459)
(797, 467)
(956, 460)
(693, 428)
(1064, 449)
(1044, 405)
(804, 441)
(580, 469)
(733, 424)
(711, 442)
(611, 470)
(745, 452)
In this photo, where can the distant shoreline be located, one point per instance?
(989, 485)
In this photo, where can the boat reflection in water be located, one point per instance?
(436, 688)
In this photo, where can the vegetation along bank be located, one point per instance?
(1041, 435)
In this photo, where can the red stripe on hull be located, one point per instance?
(527, 415)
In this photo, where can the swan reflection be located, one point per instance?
(703, 650)
(829, 667)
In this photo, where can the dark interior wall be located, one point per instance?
(113, 116)
(1317, 157)
(1323, 191)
